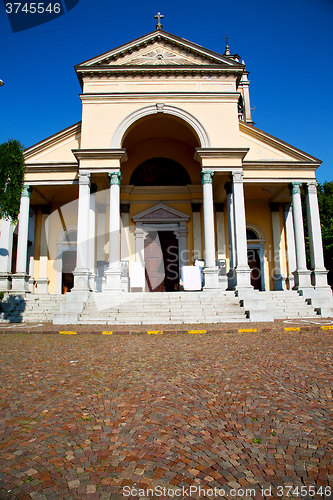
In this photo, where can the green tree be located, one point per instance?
(12, 171)
(325, 201)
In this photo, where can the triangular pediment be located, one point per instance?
(264, 147)
(55, 149)
(160, 213)
(160, 48)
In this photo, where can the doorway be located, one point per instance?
(161, 262)
(253, 258)
(68, 266)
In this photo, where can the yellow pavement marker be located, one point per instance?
(296, 329)
(247, 330)
(67, 333)
(107, 333)
(197, 331)
(327, 327)
(154, 332)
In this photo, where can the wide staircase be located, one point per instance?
(29, 308)
(288, 305)
(163, 308)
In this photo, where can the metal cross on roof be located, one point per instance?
(159, 16)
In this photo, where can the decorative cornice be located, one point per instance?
(238, 153)
(280, 165)
(51, 167)
(104, 154)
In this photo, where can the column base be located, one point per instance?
(5, 282)
(211, 275)
(302, 279)
(113, 281)
(42, 286)
(20, 283)
(319, 278)
(81, 280)
(243, 278)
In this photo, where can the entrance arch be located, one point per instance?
(125, 125)
(66, 258)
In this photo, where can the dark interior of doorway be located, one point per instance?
(253, 257)
(162, 258)
(68, 266)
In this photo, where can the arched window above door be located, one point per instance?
(160, 172)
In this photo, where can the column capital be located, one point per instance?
(26, 193)
(206, 176)
(115, 178)
(84, 178)
(237, 176)
(311, 187)
(295, 187)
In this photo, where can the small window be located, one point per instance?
(251, 235)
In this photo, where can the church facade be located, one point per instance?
(164, 171)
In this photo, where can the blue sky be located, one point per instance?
(286, 45)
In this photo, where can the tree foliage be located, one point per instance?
(325, 201)
(11, 179)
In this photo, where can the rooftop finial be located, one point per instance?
(159, 16)
(227, 51)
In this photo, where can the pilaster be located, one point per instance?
(276, 229)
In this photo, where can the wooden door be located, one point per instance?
(154, 265)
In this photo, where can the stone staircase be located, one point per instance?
(288, 305)
(162, 308)
(29, 308)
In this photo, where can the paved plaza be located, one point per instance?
(216, 415)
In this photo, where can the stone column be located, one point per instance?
(6, 247)
(20, 280)
(219, 215)
(276, 228)
(210, 270)
(42, 280)
(31, 249)
(319, 276)
(291, 250)
(231, 235)
(302, 274)
(92, 238)
(81, 272)
(125, 244)
(242, 270)
(196, 215)
(113, 273)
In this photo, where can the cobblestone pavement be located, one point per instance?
(112, 416)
